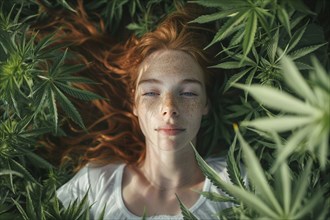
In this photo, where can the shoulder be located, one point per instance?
(87, 180)
(216, 162)
(219, 165)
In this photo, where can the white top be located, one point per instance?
(105, 189)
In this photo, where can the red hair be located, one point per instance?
(114, 133)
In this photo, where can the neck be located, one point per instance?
(171, 170)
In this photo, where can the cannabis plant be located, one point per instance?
(287, 121)
(277, 193)
(35, 83)
(275, 59)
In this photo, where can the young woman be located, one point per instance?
(164, 84)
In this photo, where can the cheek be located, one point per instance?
(146, 108)
(192, 108)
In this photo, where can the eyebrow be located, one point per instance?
(185, 81)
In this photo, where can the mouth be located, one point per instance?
(170, 131)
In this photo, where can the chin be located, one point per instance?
(173, 144)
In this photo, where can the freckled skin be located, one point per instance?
(170, 101)
(170, 93)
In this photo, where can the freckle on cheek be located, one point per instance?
(190, 107)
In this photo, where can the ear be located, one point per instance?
(206, 107)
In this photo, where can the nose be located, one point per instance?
(169, 106)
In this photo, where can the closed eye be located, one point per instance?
(150, 94)
(188, 94)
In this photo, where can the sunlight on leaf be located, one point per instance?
(250, 32)
(275, 99)
(247, 197)
(187, 215)
(257, 177)
(294, 79)
(279, 124)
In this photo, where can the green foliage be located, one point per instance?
(35, 82)
(144, 15)
(285, 198)
(257, 29)
(187, 215)
(309, 118)
(267, 50)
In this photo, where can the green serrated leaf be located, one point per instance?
(216, 197)
(273, 45)
(67, 6)
(207, 170)
(249, 80)
(82, 206)
(233, 168)
(279, 124)
(54, 70)
(300, 188)
(249, 62)
(300, 6)
(221, 3)
(53, 109)
(212, 17)
(304, 51)
(21, 210)
(39, 160)
(247, 197)
(187, 215)
(228, 27)
(40, 96)
(277, 100)
(101, 216)
(262, 13)
(19, 168)
(257, 177)
(10, 172)
(68, 107)
(237, 38)
(32, 207)
(295, 39)
(229, 65)
(286, 186)
(303, 66)
(295, 80)
(250, 32)
(43, 43)
(75, 79)
(284, 19)
(322, 76)
(66, 71)
(235, 78)
(15, 104)
(308, 208)
(78, 93)
(323, 151)
(291, 146)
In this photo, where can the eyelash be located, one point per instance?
(150, 94)
(182, 94)
(188, 94)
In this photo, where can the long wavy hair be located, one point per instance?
(114, 134)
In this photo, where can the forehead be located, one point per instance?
(170, 63)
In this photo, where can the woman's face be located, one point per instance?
(170, 99)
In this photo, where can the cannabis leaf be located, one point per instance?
(52, 87)
(308, 115)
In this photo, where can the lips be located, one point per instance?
(170, 130)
